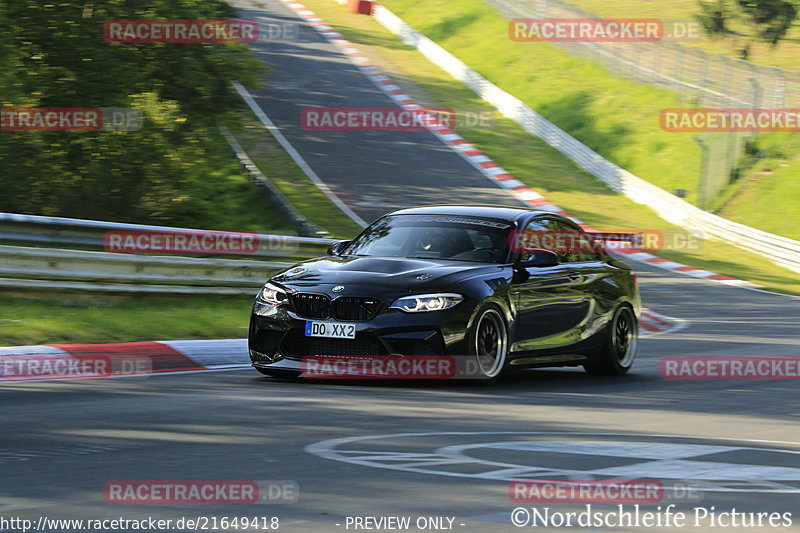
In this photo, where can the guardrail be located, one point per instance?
(47, 262)
(30, 268)
(34, 230)
(780, 250)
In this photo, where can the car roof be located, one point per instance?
(497, 212)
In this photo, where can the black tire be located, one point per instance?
(280, 374)
(487, 343)
(618, 352)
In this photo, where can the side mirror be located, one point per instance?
(539, 258)
(338, 247)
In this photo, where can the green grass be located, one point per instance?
(769, 196)
(772, 185)
(98, 319)
(786, 55)
(278, 167)
(533, 161)
(615, 116)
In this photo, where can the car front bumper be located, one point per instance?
(278, 335)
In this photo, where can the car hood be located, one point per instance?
(384, 274)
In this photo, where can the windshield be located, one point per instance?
(454, 238)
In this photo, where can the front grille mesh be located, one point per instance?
(309, 305)
(355, 308)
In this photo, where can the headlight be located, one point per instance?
(273, 294)
(426, 302)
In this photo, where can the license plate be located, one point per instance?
(333, 330)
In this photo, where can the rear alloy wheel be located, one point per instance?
(619, 351)
(488, 342)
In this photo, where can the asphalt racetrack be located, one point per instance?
(439, 451)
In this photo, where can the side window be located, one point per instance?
(576, 243)
(557, 232)
(529, 238)
(571, 244)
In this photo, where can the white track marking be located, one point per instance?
(682, 459)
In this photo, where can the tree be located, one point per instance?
(749, 20)
(54, 54)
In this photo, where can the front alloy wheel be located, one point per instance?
(489, 344)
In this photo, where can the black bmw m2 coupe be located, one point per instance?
(453, 281)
